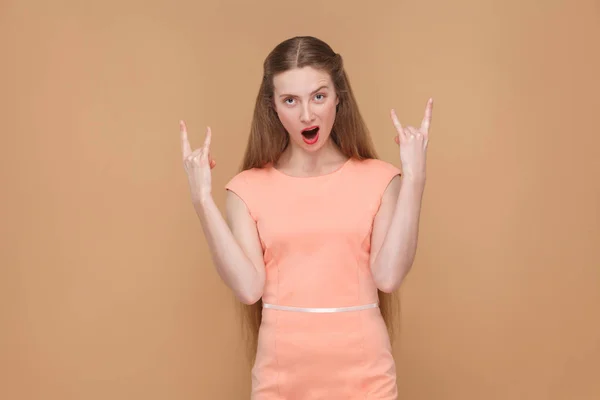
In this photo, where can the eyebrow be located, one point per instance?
(313, 92)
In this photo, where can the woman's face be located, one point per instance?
(305, 101)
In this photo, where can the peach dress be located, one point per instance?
(316, 237)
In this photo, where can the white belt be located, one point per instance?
(318, 309)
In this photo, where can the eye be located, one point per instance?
(288, 101)
(322, 96)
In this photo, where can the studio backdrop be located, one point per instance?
(107, 289)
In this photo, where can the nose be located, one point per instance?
(306, 115)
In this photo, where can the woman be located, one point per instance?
(319, 233)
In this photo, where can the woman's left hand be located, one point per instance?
(413, 145)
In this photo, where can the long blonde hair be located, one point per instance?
(268, 139)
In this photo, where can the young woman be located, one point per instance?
(319, 232)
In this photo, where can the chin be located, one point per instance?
(311, 148)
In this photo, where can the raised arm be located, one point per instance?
(234, 245)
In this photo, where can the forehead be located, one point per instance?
(300, 80)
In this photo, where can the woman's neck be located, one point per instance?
(298, 162)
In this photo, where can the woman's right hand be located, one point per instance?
(198, 165)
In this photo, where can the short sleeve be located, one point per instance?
(381, 175)
(384, 173)
(241, 185)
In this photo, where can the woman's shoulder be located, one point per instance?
(374, 177)
(249, 176)
(376, 166)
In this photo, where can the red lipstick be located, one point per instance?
(310, 135)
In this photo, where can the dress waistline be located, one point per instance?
(320, 309)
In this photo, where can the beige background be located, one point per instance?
(106, 285)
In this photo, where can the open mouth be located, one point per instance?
(311, 135)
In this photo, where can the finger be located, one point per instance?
(192, 159)
(212, 164)
(411, 131)
(207, 139)
(194, 155)
(414, 133)
(185, 143)
(397, 139)
(397, 123)
(427, 118)
(206, 147)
